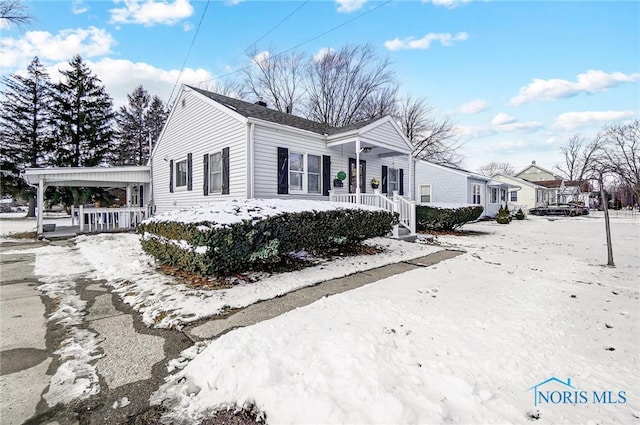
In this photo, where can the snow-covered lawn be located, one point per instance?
(459, 342)
(16, 222)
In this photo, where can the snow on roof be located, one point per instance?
(227, 213)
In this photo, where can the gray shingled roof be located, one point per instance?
(252, 110)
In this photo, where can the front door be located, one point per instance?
(352, 175)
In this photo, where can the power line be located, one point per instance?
(303, 43)
(268, 32)
(189, 51)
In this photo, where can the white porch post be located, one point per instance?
(357, 170)
(81, 217)
(40, 204)
(128, 194)
(412, 191)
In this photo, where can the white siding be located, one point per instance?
(526, 194)
(198, 128)
(387, 135)
(268, 139)
(446, 185)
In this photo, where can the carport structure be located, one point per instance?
(136, 180)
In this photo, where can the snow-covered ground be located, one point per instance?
(16, 222)
(460, 342)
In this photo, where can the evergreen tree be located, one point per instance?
(138, 122)
(82, 117)
(156, 117)
(25, 111)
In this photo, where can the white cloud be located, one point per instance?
(410, 43)
(89, 42)
(188, 26)
(121, 76)
(589, 82)
(474, 106)
(261, 57)
(78, 7)
(447, 3)
(234, 2)
(151, 12)
(347, 6)
(320, 54)
(477, 131)
(502, 119)
(573, 120)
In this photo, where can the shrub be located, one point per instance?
(441, 218)
(520, 214)
(235, 236)
(503, 216)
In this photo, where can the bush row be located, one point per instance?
(206, 248)
(434, 218)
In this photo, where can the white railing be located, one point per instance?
(406, 209)
(101, 219)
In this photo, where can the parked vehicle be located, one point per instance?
(569, 210)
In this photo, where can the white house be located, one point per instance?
(555, 188)
(214, 147)
(530, 194)
(444, 184)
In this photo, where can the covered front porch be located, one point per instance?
(135, 180)
(380, 140)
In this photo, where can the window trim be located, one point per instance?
(430, 195)
(513, 194)
(186, 174)
(211, 173)
(474, 194)
(493, 191)
(393, 186)
(305, 172)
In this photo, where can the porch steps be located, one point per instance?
(404, 235)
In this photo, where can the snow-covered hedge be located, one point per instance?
(445, 216)
(234, 236)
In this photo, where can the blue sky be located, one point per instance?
(519, 78)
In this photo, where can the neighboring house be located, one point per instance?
(535, 173)
(443, 184)
(529, 195)
(556, 189)
(214, 147)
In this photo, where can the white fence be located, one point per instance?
(104, 219)
(406, 209)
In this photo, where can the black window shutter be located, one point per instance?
(189, 171)
(171, 176)
(225, 171)
(326, 175)
(283, 171)
(363, 177)
(401, 183)
(141, 197)
(205, 181)
(385, 172)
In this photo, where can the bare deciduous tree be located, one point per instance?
(277, 79)
(495, 167)
(340, 83)
(13, 12)
(621, 151)
(434, 139)
(578, 157)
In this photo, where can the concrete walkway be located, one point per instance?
(133, 358)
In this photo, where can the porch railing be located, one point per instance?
(104, 219)
(406, 209)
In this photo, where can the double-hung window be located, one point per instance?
(313, 174)
(181, 173)
(392, 179)
(476, 194)
(514, 196)
(494, 195)
(425, 193)
(305, 171)
(215, 172)
(296, 171)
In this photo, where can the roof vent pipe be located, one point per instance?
(261, 103)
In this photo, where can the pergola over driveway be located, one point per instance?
(107, 177)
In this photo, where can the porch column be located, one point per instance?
(412, 190)
(357, 170)
(40, 204)
(128, 194)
